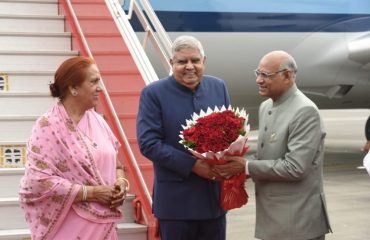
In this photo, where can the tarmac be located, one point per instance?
(346, 183)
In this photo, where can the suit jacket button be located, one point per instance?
(270, 112)
(261, 145)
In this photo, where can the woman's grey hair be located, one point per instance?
(290, 64)
(184, 42)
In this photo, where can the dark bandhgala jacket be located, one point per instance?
(164, 107)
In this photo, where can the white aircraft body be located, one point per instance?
(330, 41)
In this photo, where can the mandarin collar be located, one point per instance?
(291, 91)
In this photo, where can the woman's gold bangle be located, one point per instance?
(84, 193)
(126, 181)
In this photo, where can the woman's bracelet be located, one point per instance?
(84, 193)
(126, 181)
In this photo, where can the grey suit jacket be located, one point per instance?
(288, 170)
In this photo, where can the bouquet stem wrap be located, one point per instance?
(217, 133)
(233, 194)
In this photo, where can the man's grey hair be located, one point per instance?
(290, 64)
(184, 42)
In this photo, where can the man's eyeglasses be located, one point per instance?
(266, 75)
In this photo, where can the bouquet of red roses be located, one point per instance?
(214, 134)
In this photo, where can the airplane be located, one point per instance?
(330, 41)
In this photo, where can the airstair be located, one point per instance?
(36, 36)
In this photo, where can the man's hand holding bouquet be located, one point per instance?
(213, 135)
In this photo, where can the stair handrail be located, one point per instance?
(158, 27)
(129, 36)
(113, 113)
(147, 17)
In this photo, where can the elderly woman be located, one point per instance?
(73, 183)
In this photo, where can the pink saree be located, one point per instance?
(60, 158)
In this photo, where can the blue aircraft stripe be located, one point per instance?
(261, 22)
(282, 6)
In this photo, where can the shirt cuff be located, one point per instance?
(246, 168)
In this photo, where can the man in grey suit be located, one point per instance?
(288, 167)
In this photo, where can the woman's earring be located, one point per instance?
(74, 92)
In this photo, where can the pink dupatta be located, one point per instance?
(60, 158)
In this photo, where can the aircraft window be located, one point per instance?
(13, 156)
(2, 83)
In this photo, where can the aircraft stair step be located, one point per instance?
(15, 234)
(33, 60)
(9, 181)
(25, 104)
(112, 60)
(11, 215)
(126, 102)
(90, 8)
(16, 128)
(97, 24)
(126, 231)
(31, 23)
(114, 80)
(26, 81)
(104, 41)
(25, 41)
(37, 7)
(131, 231)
